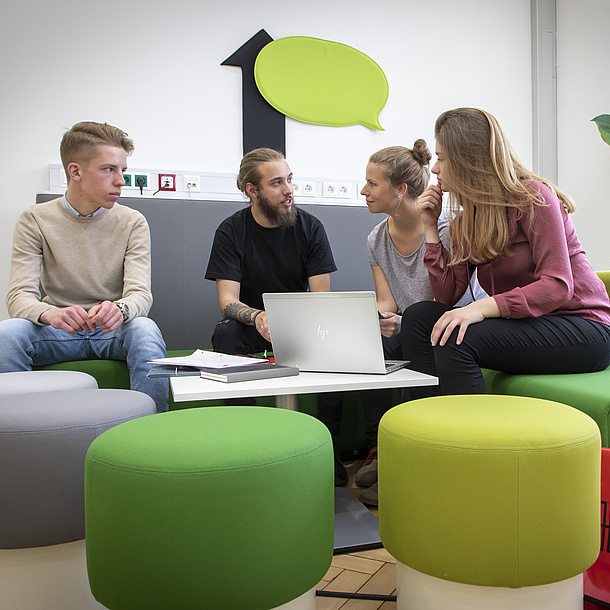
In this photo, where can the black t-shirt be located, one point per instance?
(269, 260)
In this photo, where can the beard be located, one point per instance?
(278, 214)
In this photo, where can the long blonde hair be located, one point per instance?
(485, 177)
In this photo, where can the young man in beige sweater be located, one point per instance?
(91, 256)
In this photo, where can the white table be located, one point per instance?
(287, 389)
(356, 528)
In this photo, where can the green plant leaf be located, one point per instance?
(603, 124)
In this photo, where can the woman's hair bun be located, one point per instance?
(421, 152)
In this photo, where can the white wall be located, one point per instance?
(153, 68)
(583, 92)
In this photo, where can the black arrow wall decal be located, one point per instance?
(263, 125)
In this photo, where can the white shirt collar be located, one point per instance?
(74, 211)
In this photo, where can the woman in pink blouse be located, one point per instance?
(547, 312)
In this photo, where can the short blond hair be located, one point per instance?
(80, 143)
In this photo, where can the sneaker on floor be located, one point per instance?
(367, 475)
(341, 477)
(369, 495)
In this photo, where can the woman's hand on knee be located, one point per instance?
(462, 317)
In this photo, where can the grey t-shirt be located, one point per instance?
(406, 275)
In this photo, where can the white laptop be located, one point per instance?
(330, 332)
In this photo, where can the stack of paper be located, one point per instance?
(219, 367)
(211, 360)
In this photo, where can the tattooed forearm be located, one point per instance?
(239, 312)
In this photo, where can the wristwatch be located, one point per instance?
(124, 310)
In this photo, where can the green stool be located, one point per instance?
(489, 501)
(109, 374)
(216, 507)
(587, 392)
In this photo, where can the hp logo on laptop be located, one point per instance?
(322, 333)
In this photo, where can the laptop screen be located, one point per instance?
(326, 331)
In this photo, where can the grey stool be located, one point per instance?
(44, 438)
(26, 382)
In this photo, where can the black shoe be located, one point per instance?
(341, 477)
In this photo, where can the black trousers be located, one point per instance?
(233, 337)
(536, 345)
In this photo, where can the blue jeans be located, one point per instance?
(24, 344)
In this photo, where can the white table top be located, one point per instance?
(195, 388)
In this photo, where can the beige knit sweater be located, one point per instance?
(79, 261)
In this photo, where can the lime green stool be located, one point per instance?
(489, 501)
(216, 507)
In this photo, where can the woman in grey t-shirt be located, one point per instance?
(395, 177)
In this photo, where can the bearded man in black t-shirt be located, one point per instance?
(270, 246)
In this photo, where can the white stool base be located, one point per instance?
(418, 591)
(307, 601)
(49, 577)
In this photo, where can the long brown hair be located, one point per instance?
(485, 177)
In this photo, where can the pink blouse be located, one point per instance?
(547, 274)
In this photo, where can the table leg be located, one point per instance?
(289, 401)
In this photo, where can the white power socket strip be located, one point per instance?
(209, 186)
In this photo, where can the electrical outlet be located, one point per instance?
(344, 190)
(140, 181)
(297, 187)
(329, 189)
(309, 188)
(167, 182)
(129, 182)
(192, 184)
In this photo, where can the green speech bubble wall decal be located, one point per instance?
(321, 82)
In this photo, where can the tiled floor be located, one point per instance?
(367, 572)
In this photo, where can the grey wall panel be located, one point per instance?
(347, 228)
(185, 303)
(165, 219)
(41, 198)
(201, 312)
